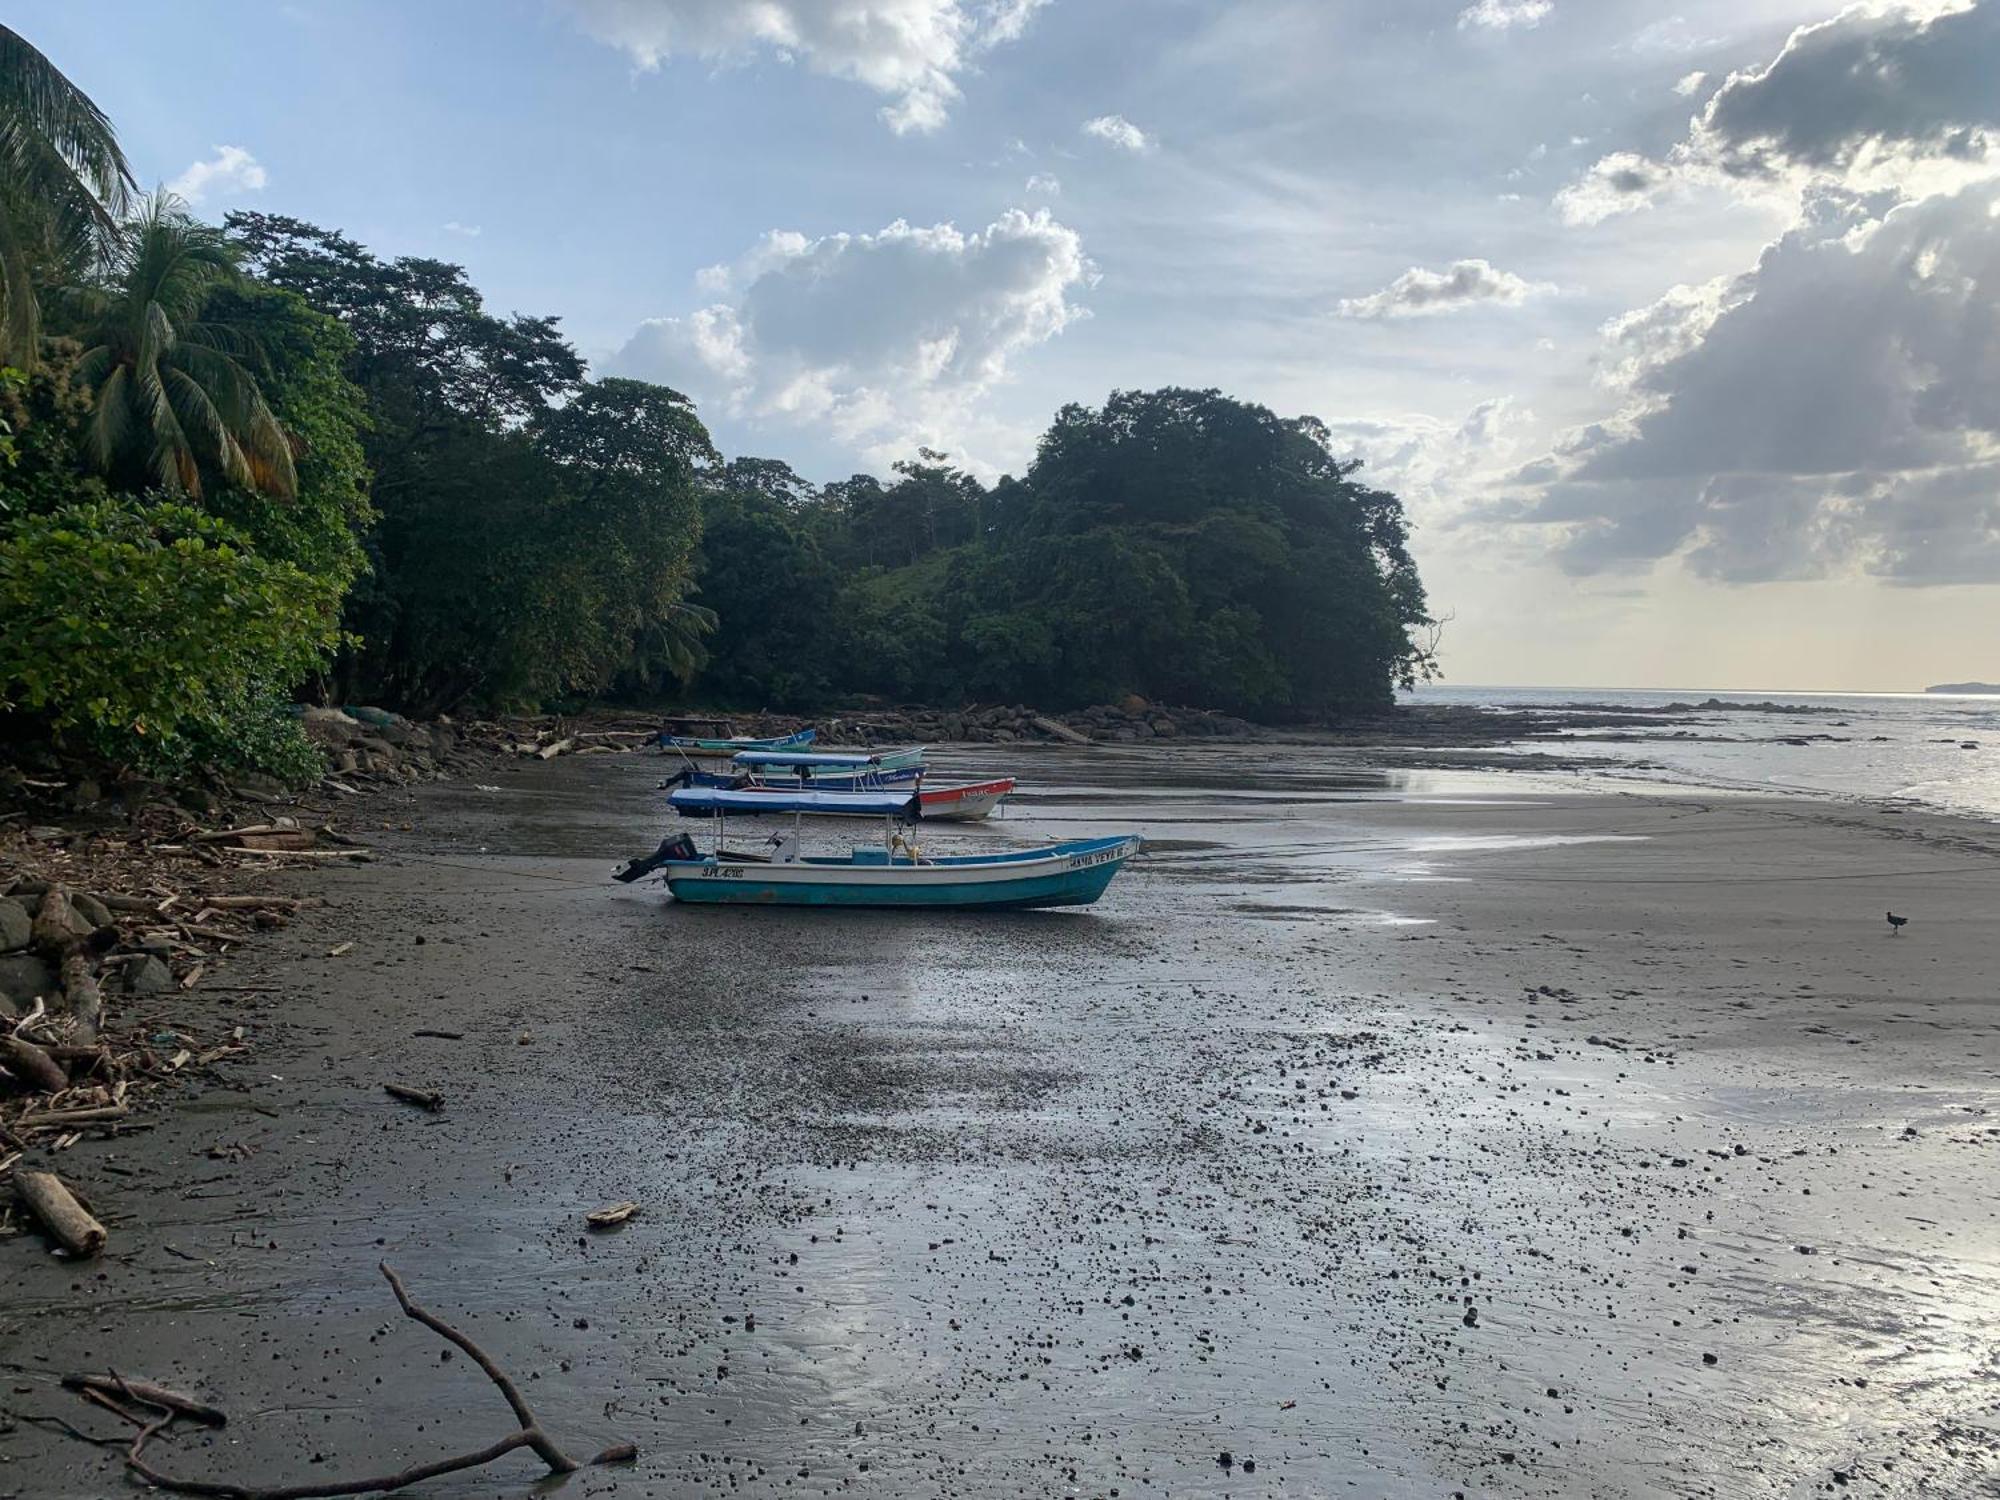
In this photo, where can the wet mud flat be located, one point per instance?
(1380, 1133)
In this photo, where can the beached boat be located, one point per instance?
(769, 771)
(736, 744)
(897, 874)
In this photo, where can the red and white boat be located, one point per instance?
(962, 804)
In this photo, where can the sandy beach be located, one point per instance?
(1385, 1133)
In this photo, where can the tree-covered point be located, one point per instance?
(1174, 543)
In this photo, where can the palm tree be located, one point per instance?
(171, 394)
(63, 183)
(672, 645)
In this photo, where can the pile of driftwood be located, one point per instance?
(76, 1054)
(544, 740)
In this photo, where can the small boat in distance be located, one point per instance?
(897, 874)
(736, 743)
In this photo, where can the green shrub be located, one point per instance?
(150, 633)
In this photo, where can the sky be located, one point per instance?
(1675, 323)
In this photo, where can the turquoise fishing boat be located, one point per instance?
(896, 874)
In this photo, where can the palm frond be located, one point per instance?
(34, 93)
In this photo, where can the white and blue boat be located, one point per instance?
(779, 771)
(711, 747)
(896, 874)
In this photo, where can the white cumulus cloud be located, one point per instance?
(1044, 185)
(914, 51)
(231, 170)
(1419, 292)
(1116, 130)
(884, 338)
(1501, 15)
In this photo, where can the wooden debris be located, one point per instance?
(422, 1098)
(69, 1224)
(32, 1065)
(338, 948)
(149, 1394)
(551, 751)
(94, 1114)
(530, 1435)
(617, 1213)
(443, 1036)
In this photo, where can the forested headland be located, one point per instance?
(255, 463)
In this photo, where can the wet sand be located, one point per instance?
(1392, 1133)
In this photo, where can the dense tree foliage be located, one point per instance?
(1173, 543)
(248, 464)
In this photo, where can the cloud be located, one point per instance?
(1690, 84)
(1501, 15)
(231, 170)
(470, 231)
(1044, 185)
(1900, 97)
(911, 50)
(1836, 408)
(1434, 464)
(1419, 292)
(1118, 131)
(884, 338)
(1867, 84)
(1615, 184)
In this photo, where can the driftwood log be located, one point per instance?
(32, 1065)
(529, 1435)
(68, 1222)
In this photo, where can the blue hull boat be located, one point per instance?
(1067, 874)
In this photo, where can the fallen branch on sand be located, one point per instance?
(170, 1404)
(428, 1099)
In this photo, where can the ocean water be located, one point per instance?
(1906, 747)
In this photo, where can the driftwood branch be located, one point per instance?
(150, 1394)
(530, 1435)
(67, 1221)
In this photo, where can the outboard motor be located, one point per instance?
(677, 846)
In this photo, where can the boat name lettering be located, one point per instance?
(1102, 856)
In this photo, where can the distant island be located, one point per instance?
(1963, 687)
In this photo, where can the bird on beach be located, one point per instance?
(1897, 924)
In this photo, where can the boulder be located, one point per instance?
(329, 726)
(93, 911)
(23, 976)
(15, 922)
(148, 976)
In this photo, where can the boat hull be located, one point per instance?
(1074, 874)
(963, 804)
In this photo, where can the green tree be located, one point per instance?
(63, 184)
(170, 395)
